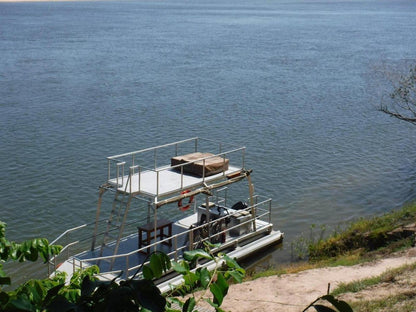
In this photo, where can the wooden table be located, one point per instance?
(149, 229)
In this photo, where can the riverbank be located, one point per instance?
(294, 292)
(371, 265)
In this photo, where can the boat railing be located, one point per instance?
(263, 206)
(67, 242)
(78, 239)
(157, 160)
(181, 242)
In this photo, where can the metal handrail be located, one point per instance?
(69, 231)
(175, 253)
(119, 162)
(150, 148)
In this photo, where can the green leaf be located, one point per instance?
(322, 308)
(2, 229)
(194, 255)
(231, 263)
(212, 304)
(165, 260)
(37, 292)
(159, 264)
(5, 280)
(190, 279)
(60, 304)
(87, 286)
(148, 272)
(189, 305)
(22, 303)
(101, 291)
(342, 306)
(236, 275)
(156, 265)
(72, 294)
(204, 277)
(217, 308)
(174, 300)
(4, 298)
(148, 295)
(219, 289)
(212, 245)
(52, 293)
(120, 299)
(180, 267)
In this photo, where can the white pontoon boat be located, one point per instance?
(170, 198)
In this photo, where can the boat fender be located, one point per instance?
(186, 207)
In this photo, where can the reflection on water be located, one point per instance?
(84, 80)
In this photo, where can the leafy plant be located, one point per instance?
(28, 250)
(26, 296)
(85, 293)
(338, 305)
(300, 246)
(37, 295)
(216, 281)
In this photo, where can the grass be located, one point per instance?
(288, 269)
(387, 277)
(405, 302)
(349, 246)
(365, 236)
(361, 241)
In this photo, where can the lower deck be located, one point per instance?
(235, 231)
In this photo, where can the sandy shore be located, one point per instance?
(294, 292)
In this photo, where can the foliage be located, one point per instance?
(28, 250)
(217, 281)
(96, 295)
(38, 295)
(299, 247)
(339, 305)
(402, 101)
(84, 292)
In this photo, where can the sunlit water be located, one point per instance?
(290, 80)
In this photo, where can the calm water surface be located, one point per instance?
(290, 80)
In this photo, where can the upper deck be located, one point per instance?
(171, 168)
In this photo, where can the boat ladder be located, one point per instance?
(115, 225)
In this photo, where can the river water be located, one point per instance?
(293, 81)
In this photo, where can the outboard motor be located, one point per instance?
(239, 206)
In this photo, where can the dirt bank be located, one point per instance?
(293, 292)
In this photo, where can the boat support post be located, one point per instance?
(97, 215)
(253, 209)
(155, 222)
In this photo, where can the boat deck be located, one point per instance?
(164, 181)
(130, 257)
